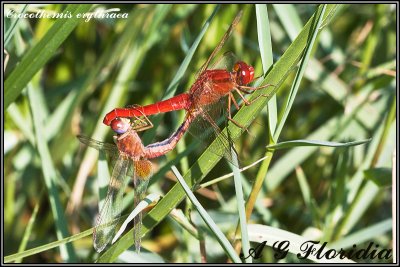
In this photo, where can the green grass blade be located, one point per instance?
(28, 231)
(364, 235)
(265, 44)
(178, 216)
(330, 129)
(46, 247)
(314, 26)
(304, 187)
(361, 195)
(331, 84)
(57, 118)
(380, 176)
(41, 53)
(10, 31)
(300, 143)
(241, 207)
(22, 122)
(207, 219)
(289, 18)
(50, 177)
(300, 72)
(37, 250)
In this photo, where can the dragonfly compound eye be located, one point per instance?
(120, 125)
(245, 73)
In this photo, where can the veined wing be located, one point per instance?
(211, 119)
(226, 61)
(143, 170)
(222, 42)
(207, 127)
(111, 210)
(109, 148)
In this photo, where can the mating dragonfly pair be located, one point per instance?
(209, 96)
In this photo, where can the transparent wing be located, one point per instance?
(226, 61)
(143, 170)
(222, 42)
(207, 127)
(110, 150)
(111, 210)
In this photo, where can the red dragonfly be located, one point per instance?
(132, 163)
(206, 98)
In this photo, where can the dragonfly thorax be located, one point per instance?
(131, 145)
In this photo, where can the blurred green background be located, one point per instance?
(340, 195)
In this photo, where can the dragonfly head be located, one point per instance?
(120, 125)
(244, 73)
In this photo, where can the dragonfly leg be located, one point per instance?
(239, 125)
(230, 115)
(143, 124)
(232, 98)
(247, 102)
(249, 89)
